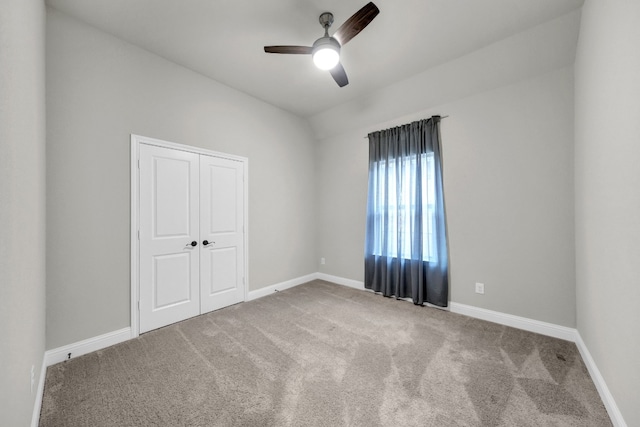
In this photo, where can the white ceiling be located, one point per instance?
(224, 39)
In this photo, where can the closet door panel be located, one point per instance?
(169, 223)
(222, 233)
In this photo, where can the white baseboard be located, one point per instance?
(60, 354)
(267, 290)
(340, 281)
(35, 417)
(601, 385)
(531, 325)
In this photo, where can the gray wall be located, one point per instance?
(99, 91)
(22, 206)
(607, 205)
(508, 177)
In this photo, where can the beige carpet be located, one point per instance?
(324, 355)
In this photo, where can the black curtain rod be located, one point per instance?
(441, 117)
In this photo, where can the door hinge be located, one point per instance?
(138, 234)
(138, 163)
(138, 305)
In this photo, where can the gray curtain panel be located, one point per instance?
(406, 252)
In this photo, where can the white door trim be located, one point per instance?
(136, 140)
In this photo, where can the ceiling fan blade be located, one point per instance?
(356, 23)
(339, 75)
(288, 49)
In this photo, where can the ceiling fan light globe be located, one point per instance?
(326, 58)
(326, 53)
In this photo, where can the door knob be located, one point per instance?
(206, 242)
(194, 243)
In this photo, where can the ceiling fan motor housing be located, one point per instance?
(323, 42)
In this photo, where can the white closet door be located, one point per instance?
(169, 223)
(222, 233)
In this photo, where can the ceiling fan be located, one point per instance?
(326, 50)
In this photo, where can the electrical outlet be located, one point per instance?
(322, 261)
(33, 377)
(479, 288)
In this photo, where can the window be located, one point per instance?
(396, 216)
(405, 248)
